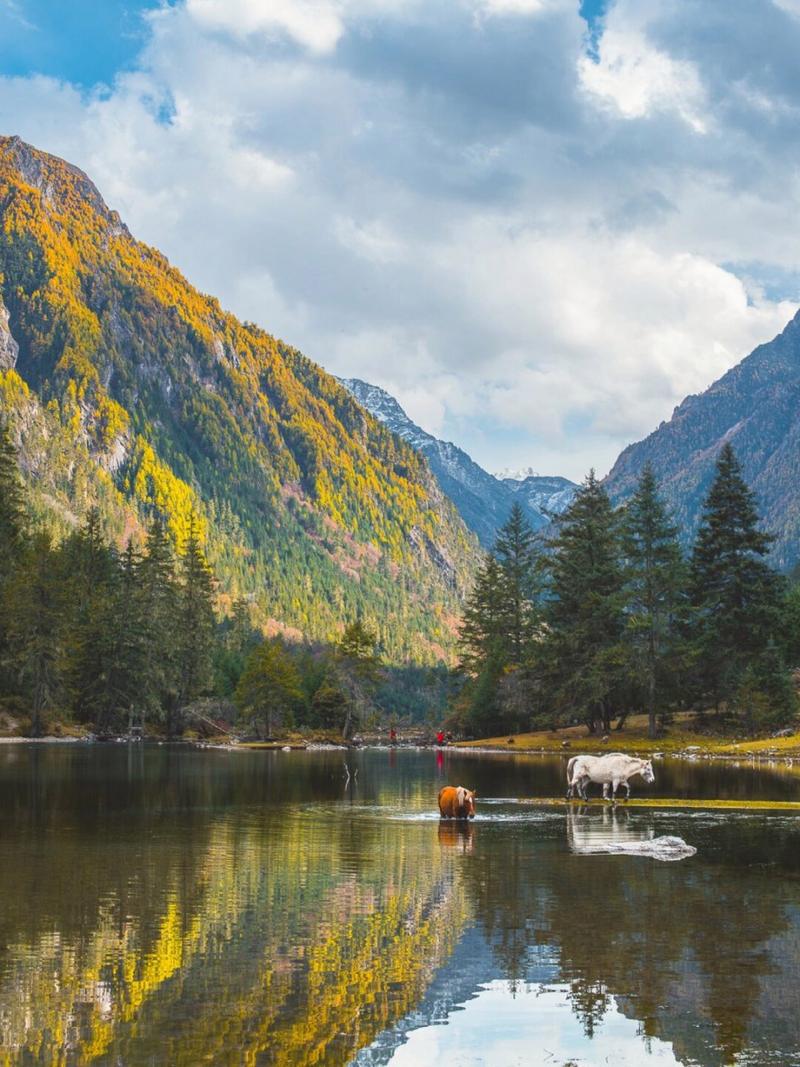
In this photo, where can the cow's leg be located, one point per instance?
(584, 784)
(605, 790)
(627, 790)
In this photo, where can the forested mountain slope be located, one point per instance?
(124, 386)
(755, 406)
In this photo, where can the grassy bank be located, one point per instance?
(668, 802)
(682, 738)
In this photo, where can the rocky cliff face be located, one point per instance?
(128, 388)
(9, 349)
(483, 501)
(755, 406)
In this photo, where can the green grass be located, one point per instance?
(681, 738)
(669, 802)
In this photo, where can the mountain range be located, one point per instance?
(756, 407)
(483, 500)
(320, 500)
(128, 389)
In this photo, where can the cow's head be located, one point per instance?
(647, 771)
(466, 801)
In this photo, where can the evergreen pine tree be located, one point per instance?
(654, 583)
(765, 697)
(36, 591)
(12, 503)
(90, 573)
(128, 689)
(585, 618)
(158, 604)
(357, 671)
(12, 538)
(517, 557)
(735, 594)
(195, 620)
(481, 637)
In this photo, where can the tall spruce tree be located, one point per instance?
(12, 502)
(158, 603)
(90, 574)
(128, 691)
(735, 594)
(195, 638)
(483, 649)
(13, 525)
(654, 575)
(36, 590)
(515, 550)
(482, 633)
(357, 668)
(585, 615)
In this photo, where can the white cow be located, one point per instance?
(611, 769)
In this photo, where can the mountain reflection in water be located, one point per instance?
(169, 905)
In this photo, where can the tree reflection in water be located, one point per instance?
(179, 907)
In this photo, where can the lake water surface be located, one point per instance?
(179, 906)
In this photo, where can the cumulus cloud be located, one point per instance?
(316, 24)
(637, 79)
(540, 252)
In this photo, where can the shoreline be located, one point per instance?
(692, 753)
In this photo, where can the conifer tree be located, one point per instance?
(765, 697)
(481, 637)
(517, 557)
(12, 537)
(195, 635)
(735, 594)
(357, 670)
(90, 573)
(654, 583)
(36, 589)
(12, 502)
(585, 613)
(123, 700)
(158, 603)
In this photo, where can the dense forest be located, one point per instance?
(609, 617)
(604, 618)
(110, 640)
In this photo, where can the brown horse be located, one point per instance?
(456, 802)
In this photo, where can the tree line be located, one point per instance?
(609, 617)
(112, 638)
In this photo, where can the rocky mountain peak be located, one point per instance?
(59, 182)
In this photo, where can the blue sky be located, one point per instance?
(80, 41)
(539, 223)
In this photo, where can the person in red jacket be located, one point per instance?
(440, 737)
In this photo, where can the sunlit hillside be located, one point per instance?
(127, 388)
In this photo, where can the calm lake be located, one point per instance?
(171, 905)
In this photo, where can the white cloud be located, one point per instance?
(518, 7)
(452, 210)
(315, 24)
(792, 7)
(639, 80)
(251, 167)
